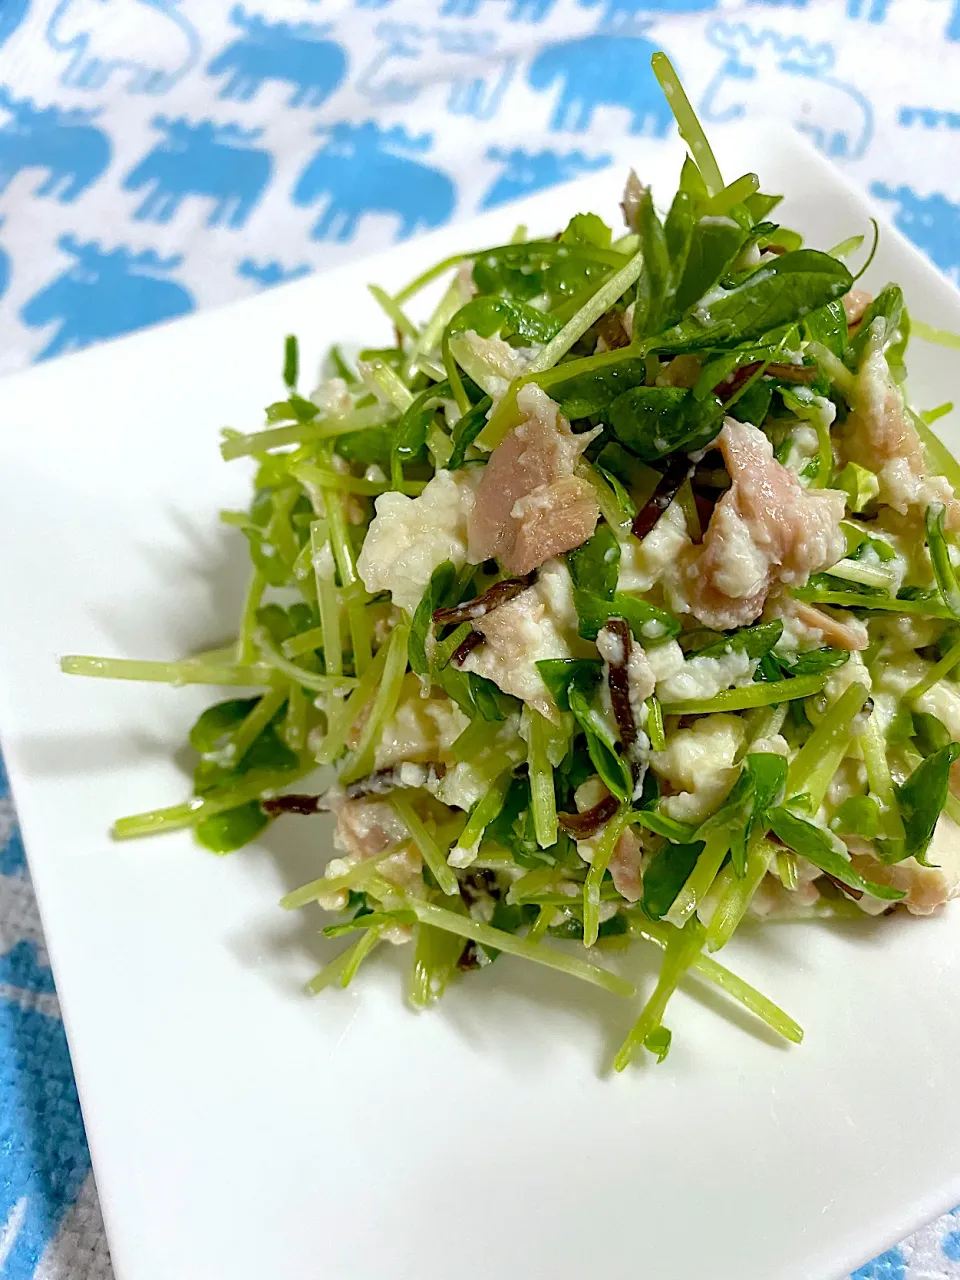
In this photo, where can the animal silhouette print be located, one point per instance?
(148, 44)
(362, 169)
(104, 293)
(764, 67)
(291, 53)
(267, 274)
(72, 150)
(524, 173)
(478, 76)
(208, 160)
(602, 70)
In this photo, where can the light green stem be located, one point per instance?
(387, 696)
(341, 718)
(939, 671)
(176, 673)
(603, 852)
(542, 797)
(739, 894)
(700, 879)
(246, 650)
(750, 695)
(430, 851)
(305, 642)
(691, 131)
(325, 886)
(395, 312)
(833, 727)
(309, 679)
(253, 724)
(538, 952)
(681, 951)
(482, 814)
(878, 775)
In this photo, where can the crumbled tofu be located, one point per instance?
(539, 623)
(699, 763)
(644, 562)
(706, 677)
(409, 537)
(494, 363)
(421, 729)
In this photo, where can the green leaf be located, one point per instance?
(595, 566)
(587, 394)
(760, 785)
(601, 742)
(931, 734)
(232, 829)
(943, 569)
(677, 230)
(828, 326)
(658, 1041)
(507, 317)
(216, 724)
(886, 306)
(922, 797)
(410, 437)
(778, 293)
(648, 624)
(559, 673)
(666, 874)
(815, 661)
(857, 816)
(437, 595)
(662, 825)
(587, 228)
(753, 641)
(754, 405)
(655, 277)
(825, 851)
(654, 422)
(465, 431)
(714, 244)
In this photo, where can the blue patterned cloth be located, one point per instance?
(157, 156)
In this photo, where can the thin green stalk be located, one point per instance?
(867, 574)
(245, 649)
(434, 964)
(345, 966)
(681, 951)
(939, 337)
(306, 642)
(700, 879)
(834, 727)
(328, 598)
(538, 952)
(691, 131)
(589, 314)
(389, 382)
(177, 817)
(750, 695)
(279, 531)
(717, 975)
(878, 775)
(384, 705)
(309, 679)
(481, 815)
(361, 630)
(342, 718)
(734, 193)
(325, 886)
(479, 736)
(542, 923)
(444, 649)
(295, 721)
(787, 868)
(602, 853)
(395, 312)
(187, 671)
(939, 671)
(327, 479)
(834, 368)
(254, 723)
(658, 740)
(610, 508)
(430, 851)
(244, 446)
(819, 781)
(542, 797)
(739, 893)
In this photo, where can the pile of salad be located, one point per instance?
(618, 597)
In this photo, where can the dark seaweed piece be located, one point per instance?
(491, 599)
(677, 471)
(583, 825)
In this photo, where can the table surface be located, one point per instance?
(158, 156)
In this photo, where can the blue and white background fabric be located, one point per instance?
(158, 156)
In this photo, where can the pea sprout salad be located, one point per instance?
(614, 599)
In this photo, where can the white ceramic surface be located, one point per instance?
(241, 1131)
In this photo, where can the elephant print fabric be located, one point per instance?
(160, 156)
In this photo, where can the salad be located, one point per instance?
(616, 600)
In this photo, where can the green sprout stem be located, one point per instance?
(602, 853)
(188, 671)
(430, 851)
(538, 952)
(750, 695)
(691, 130)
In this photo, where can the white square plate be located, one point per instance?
(241, 1131)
